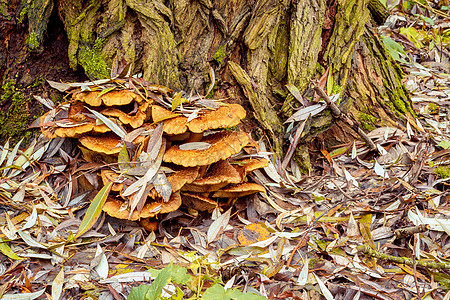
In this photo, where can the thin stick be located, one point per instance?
(337, 113)
(407, 231)
(403, 260)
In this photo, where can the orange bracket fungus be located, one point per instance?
(127, 129)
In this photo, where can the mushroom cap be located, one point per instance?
(134, 121)
(75, 131)
(178, 179)
(248, 165)
(108, 143)
(223, 145)
(79, 130)
(112, 98)
(74, 126)
(150, 209)
(228, 115)
(149, 224)
(92, 156)
(198, 202)
(111, 176)
(77, 110)
(173, 123)
(219, 175)
(225, 116)
(239, 190)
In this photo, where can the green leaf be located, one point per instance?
(12, 155)
(294, 91)
(6, 250)
(138, 293)
(418, 37)
(394, 48)
(330, 82)
(94, 210)
(176, 101)
(179, 274)
(425, 19)
(442, 278)
(105, 91)
(384, 2)
(218, 292)
(154, 291)
(444, 144)
(156, 288)
(124, 159)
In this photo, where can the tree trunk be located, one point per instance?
(255, 49)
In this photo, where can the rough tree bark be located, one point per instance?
(254, 47)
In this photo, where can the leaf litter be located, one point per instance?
(361, 225)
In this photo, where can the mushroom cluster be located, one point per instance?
(161, 150)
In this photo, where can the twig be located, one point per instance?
(337, 113)
(438, 12)
(402, 232)
(402, 260)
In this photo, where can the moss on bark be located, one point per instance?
(14, 122)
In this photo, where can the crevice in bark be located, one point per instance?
(327, 29)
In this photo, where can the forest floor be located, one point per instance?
(362, 225)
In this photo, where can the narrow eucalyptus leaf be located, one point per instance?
(94, 210)
(111, 125)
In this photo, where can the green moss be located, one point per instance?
(3, 8)
(219, 55)
(319, 69)
(398, 97)
(368, 122)
(13, 122)
(302, 158)
(278, 39)
(57, 98)
(280, 92)
(234, 128)
(37, 82)
(211, 94)
(336, 90)
(23, 14)
(32, 41)
(443, 172)
(432, 108)
(399, 104)
(90, 58)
